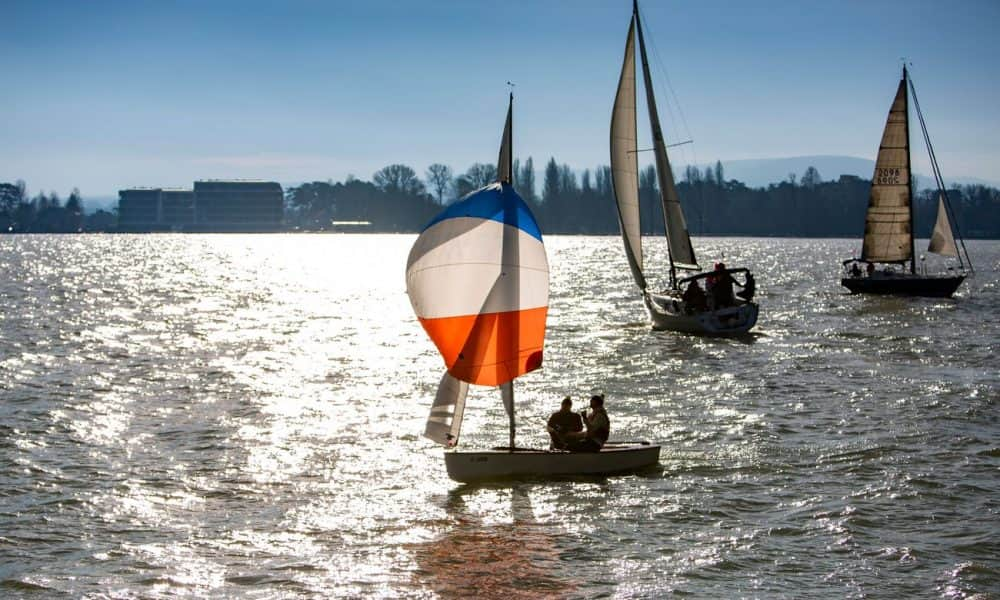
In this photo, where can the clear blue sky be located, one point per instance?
(105, 95)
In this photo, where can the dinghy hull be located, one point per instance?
(485, 465)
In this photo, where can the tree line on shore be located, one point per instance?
(566, 202)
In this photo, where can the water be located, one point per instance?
(239, 417)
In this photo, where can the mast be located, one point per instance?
(510, 252)
(679, 249)
(909, 172)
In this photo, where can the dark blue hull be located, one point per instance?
(905, 285)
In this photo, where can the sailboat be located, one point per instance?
(685, 305)
(478, 279)
(889, 221)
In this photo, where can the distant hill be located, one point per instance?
(760, 172)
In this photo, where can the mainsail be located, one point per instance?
(678, 239)
(889, 222)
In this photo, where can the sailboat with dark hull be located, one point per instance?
(685, 305)
(888, 262)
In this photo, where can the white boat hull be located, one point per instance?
(667, 314)
(484, 465)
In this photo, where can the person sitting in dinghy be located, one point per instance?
(562, 422)
(598, 428)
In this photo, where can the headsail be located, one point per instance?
(478, 280)
(942, 239)
(625, 163)
(445, 420)
(889, 224)
(678, 239)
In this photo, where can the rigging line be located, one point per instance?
(939, 179)
(670, 87)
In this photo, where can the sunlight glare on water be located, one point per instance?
(240, 416)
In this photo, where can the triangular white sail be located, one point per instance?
(942, 239)
(445, 421)
(625, 163)
(678, 239)
(888, 223)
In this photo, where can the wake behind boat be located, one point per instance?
(680, 306)
(888, 237)
(478, 279)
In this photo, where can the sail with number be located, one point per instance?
(888, 223)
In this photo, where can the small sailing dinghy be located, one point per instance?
(690, 304)
(888, 237)
(478, 280)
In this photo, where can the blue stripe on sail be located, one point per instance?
(495, 202)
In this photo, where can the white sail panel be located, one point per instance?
(445, 421)
(625, 163)
(888, 223)
(942, 239)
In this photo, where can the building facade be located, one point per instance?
(212, 206)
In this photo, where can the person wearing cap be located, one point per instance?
(598, 428)
(563, 422)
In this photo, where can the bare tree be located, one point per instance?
(439, 178)
(811, 177)
(481, 174)
(398, 178)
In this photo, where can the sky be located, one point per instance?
(108, 95)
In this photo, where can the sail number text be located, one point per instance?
(887, 176)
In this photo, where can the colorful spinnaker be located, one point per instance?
(478, 280)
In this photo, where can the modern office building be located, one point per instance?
(221, 206)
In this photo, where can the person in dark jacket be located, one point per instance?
(562, 422)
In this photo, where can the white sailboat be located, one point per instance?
(889, 221)
(478, 280)
(685, 305)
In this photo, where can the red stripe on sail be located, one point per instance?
(475, 351)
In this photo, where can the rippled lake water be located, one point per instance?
(239, 417)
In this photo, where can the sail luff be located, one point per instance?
(625, 162)
(889, 221)
(681, 251)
